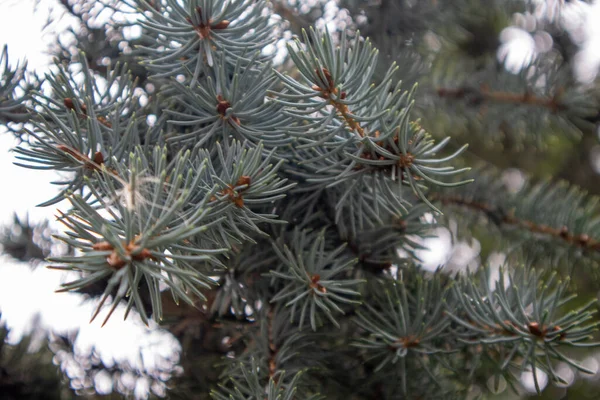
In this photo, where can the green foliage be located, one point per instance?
(354, 127)
(232, 103)
(312, 277)
(523, 314)
(251, 388)
(82, 127)
(400, 323)
(12, 79)
(553, 221)
(269, 197)
(198, 31)
(141, 239)
(16, 365)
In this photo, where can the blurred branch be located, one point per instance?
(296, 21)
(71, 10)
(19, 239)
(500, 217)
(476, 97)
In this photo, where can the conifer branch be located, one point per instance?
(326, 88)
(500, 217)
(554, 210)
(476, 97)
(15, 92)
(270, 200)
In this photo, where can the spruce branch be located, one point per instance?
(83, 127)
(26, 368)
(558, 211)
(377, 248)
(582, 240)
(243, 287)
(25, 240)
(59, 147)
(270, 200)
(247, 184)
(187, 37)
(402, 325)
(276, 346)
(77, 89)
(540, 100)
(522, 314)
(250, 387)
(349, 127)
(229, 102)
(144, 238)
(297, 22)
(14, 91)
(312, 275)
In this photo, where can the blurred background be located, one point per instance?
(516, 79)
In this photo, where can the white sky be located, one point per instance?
(145, 349)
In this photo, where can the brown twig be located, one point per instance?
(484, 94)
(399, 225)
(342, 109)
(272, 361)
(362, 258)
(93, 164)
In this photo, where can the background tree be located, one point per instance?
(268, 199)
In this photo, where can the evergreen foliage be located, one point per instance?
(286, 205)
(17, 382)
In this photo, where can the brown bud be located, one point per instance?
(70, 105)
(401, 224)
(104, 121)
(583, 239)
(102, 246)
(243, 180)
(328, 77)
(562, 335)
(238, 201)
(77, 155)
(406, 160)
(222, 105)
(534, 329)
(115, 261)
(221, 25)
(68, 102)
(98, 158)
(142, 255)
